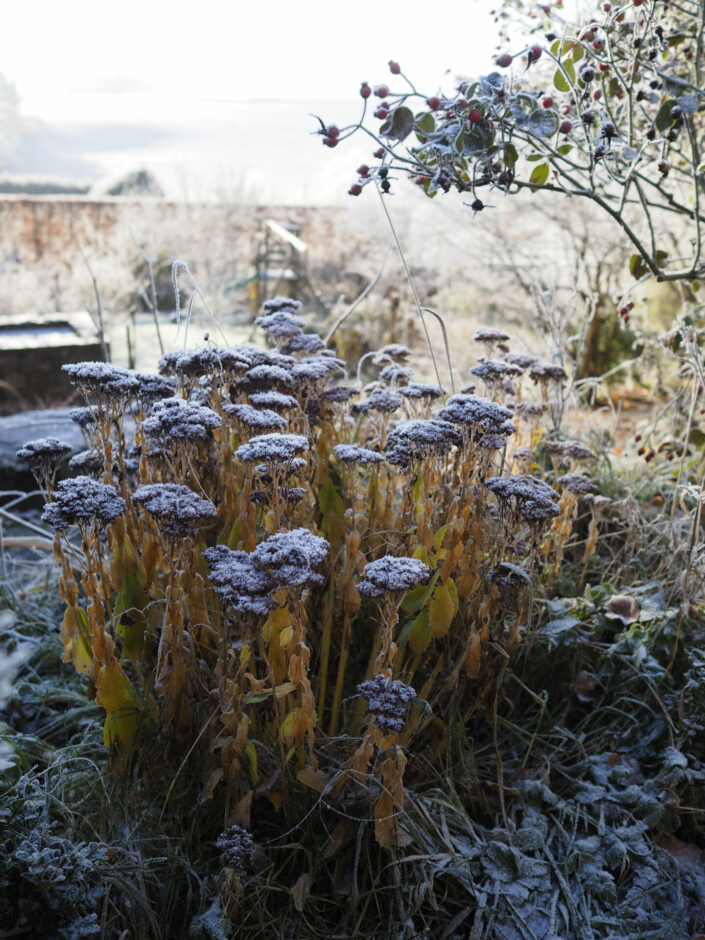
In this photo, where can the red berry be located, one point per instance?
(637, 3)
(598, 44)
(504, 60)
(475, 115)
(382, 91)
(381, 112)
(434, 102)
(641, 451)
(566, 127)
(365, 90)
(603, 67)
(394, 67)
(355, 189)
(547, 102)
(597, 94)
(332, 130)
(331, 141)
(565, 109)
(535, 51)
(379, 153)
(637, 437)
(363, 170)
(607, 7)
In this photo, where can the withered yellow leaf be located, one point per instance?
(441, 611)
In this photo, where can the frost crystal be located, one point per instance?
(392, 574)
(178, 510)
(272, 447)
(281, 324)
(44, 454)
(273, 400)
(421, 390)
(415, 440)
(239, 848)
(178, 419)
(387, 700)
(82, 500)
(237, 579)
(351, 453)
(291, 557)
(475, 411)
(254, 419)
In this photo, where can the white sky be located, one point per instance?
(310, 49)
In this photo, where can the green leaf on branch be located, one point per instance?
(402, 123)
(510, 155)
(539, 175)
(663, 118)
(542, 123)
(559, 79)
(564, 149)
(637, 266)
(425, 123)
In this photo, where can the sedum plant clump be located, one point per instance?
(291, 583)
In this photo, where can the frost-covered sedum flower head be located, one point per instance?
(44, 455)
(239, 847)
(255, 419)
(387, 700)
(392, 575)
(239, 581)
(352, 453)
(102, 380)
(178, 510)
(291, 558)
(273, 448)
(83, 501)
(175, 419)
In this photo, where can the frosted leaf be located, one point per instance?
(254, 419)
(388, 700)
(177, 419)
(394, 574)
(272, 447)
(81, 500)
(352, 453)
(292, 557)
(178, 510)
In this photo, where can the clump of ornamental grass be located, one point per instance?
(287, 584)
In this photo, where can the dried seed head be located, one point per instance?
(387, 700)
(473, 411)
(83, 417)
(351, 453)
(239, 848)
(547, 372)
(383, 400)
(254, 419)
(419, 390)
(274, 448)
(410, 441)
(393, 352)
(396, 373)
(86, 462)
(191, 362)
(494, 370)
(264, 377)
(275, 400)
(237, 579)
(175, 419)
(281, 324)
(81, 501)
(392, 574)
(152, 387)
(488, 334)
(102, 380)
(286, 304)
(523, 360)
(178, 510)
(292, 557)
(315, 369)
(45, 454)
(304, 343)
(576, 483)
